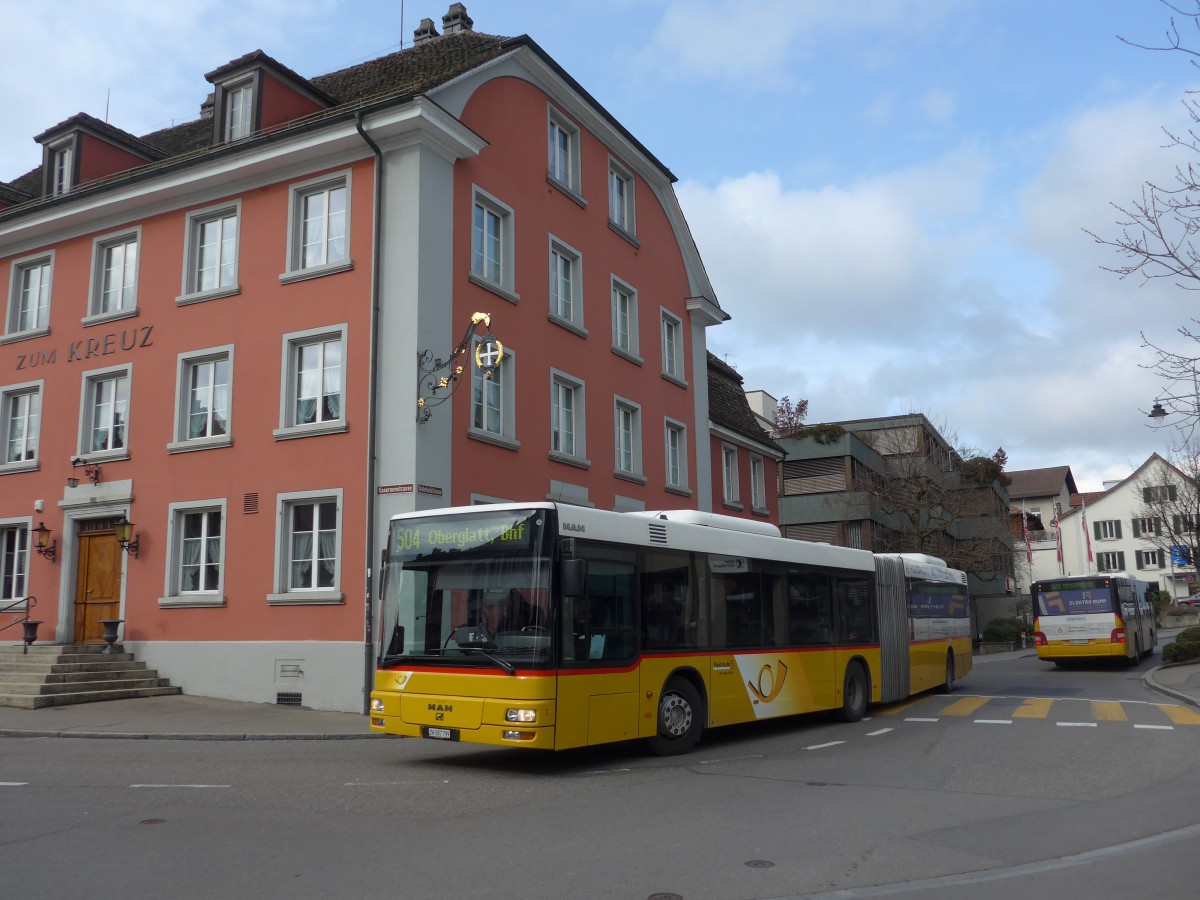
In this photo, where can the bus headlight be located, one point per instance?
(520, 715)
(376, 705)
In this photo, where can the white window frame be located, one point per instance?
(627, 440)
(632, 348)
(758, 483)
(621, 199)
(18, 526)
(1108, 561)
(10, 395)
(501, 281)
(503, 386)
(192, 292)
(61, 166)
(102, 248)
(730, 476)
(16, 293)
(1106, 529)
(243, 126)
(1150, 559)
(283, 594)
(562, 165)
(290, 383)
(87, 408)
(560, 381)
(298, 195)
(173, 594)
(186, 364)
(679, 465)
(671, 326)
(562, 257)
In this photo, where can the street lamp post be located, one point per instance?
(1159, 413)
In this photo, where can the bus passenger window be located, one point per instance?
(810, 608)
(855, 621)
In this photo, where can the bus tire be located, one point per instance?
(1137, 652)
(948, 687)
(856, 691)
(680, 718)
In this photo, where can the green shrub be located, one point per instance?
(1006, 631)
(1185, 651)
(1189, 635)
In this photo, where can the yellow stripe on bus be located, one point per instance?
(1108, 711)
(1033, 708)
(1182, 715)
(965, 706)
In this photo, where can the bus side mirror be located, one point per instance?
(573, 575)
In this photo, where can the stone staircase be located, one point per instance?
(61, 674)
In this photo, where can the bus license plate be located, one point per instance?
(1080, 641)
(441, 734)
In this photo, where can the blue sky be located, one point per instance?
(890, 196)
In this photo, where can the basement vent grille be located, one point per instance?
(250, 503)
(658, 533)
(288, 698)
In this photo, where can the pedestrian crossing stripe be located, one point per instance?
(1101, 711)
(1181, 715)
(1108, 711)
(1033, 708)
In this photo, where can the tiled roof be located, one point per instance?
(1046, 482)
(116, 135)
(728, 406)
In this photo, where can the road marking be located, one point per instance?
(823, 746)
(1076, 724)
(993, 721)
(894, 708)
(180, 785)
(1181, 715)
(1033, 708)
(1156, 727)
(965, 706)
(879, 732)
(919, 719)
(13, 783)
(1108, 711)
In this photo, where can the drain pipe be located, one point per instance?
(372, 436)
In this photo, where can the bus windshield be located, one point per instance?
(1077, 597)
(468, 590)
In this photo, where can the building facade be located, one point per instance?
(1037, 498)
(442, 277)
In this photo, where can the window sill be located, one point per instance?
(578, 462)
(487, 437)
(315, 272)
(205, 296)
(567, 324)
(733, 504)
(303, 431)
(495, 287)
(99, 457)
(629, 476)
(103, 318)
(307, 598)
(675, 489)
(625, 354)
(567, 190)
(192, 601)
(25, 465)
(629, 236)
(760, 511)
(674, 379)
(24, 335)
(200, 444)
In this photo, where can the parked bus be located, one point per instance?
(553, 626)
(1094, 617)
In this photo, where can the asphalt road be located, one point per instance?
(1029, 780)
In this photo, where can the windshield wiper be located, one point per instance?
(502, 663)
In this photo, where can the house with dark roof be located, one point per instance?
(1037, 499)
(232, 349)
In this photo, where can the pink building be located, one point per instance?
(231, 333)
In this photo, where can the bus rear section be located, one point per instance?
(1093, 617)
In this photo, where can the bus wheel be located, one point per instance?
(949, 686)
(855, 692)
(679, 716)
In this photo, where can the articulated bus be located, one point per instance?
(1094, 617)
(553, 626)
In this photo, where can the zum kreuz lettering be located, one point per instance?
(90, 348)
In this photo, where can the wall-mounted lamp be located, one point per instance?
(91, 470)
(125, 537)
(43, 545)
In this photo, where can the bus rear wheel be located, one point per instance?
(679, 718)
(855, 691)
(948, 688)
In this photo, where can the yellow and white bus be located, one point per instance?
(552, 626)
(1094, 617)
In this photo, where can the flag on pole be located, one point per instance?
(1025, 529)
(1087, 535)
(1058, 542)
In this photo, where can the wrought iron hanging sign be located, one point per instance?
(438, 379)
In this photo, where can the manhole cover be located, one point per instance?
(759, 863)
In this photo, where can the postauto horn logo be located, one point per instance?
(769, 682)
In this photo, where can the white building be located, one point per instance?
(1036, 498)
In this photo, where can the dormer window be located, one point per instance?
(239, 110)
(62, 168)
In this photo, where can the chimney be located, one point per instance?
(206, 108)
(425, 31)
(456, 19)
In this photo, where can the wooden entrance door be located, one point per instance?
(97, 585)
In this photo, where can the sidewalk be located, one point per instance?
(187, 718)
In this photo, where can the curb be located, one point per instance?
(167, 736)
(1148, 680)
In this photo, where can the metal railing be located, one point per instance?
(31, 626)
